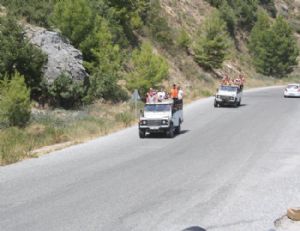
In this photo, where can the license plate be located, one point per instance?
(154, 128)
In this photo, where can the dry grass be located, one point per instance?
(48, 128)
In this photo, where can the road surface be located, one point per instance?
(231, 169)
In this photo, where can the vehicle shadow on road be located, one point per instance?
(182, 132)
(230, 106)
(164, 136)
(194, 228)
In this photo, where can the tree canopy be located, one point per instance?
(273, 46)
(212, 45)
(147, 69)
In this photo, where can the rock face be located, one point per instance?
(62, 56)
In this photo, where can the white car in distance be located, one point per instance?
(292, 90)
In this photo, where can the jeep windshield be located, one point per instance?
(228, 88)
(157, 107)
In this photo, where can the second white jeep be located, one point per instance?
(228, 95)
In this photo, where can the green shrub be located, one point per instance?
(74, 18)
(14, 101)
(148, 70)
(273, 46)
(17, 54)
(14, 145)
(244, 11)
(269, 6)
(228, 15)
(125, 117)
(158, 25)
(105, 64)
(66, 92)
(184, 40)
(212, 45)
(34, 11)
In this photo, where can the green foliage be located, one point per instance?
(212, 45)
(14, 101)
(228, 15)
(14, 145)
(74, 18)
(130, 12)
(35, 11)
(158, 25)
(66, 92)
(269, 6)
(125, 118)
(148, 69)
(273, 46)
(244, 11)
(184, 40)
(17, 54)
(124, 18)
(105, 64)
(215, 3)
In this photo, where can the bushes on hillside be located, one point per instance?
(74, 19)
(269, 6)
(273, 46)
(148, 69)
(228, 15)
(158, 25)
(66, 92)
(212, 44)
(105, 64)
(14, 101)
(34, 11)
(243, 12)
(183, 40)
(17, 54)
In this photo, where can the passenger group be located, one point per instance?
(176, 93)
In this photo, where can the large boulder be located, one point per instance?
(62, 56)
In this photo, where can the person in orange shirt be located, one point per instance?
(174, 92)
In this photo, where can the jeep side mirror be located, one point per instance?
(142, 112)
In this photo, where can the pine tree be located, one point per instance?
(148, 69)
(17, 54)
(274, 48)
(74, 18)
(14, 101)
(228, 15)
(212, 45)
(104, 64)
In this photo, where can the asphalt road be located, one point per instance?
(235, 169)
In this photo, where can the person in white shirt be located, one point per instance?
(180, 93)
(161, 95)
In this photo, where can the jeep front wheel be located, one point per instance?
(142, 133)
(170, 132)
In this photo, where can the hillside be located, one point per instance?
(122, 46)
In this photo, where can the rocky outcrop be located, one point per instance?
(62, 56)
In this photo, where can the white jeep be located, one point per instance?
(228, 95)
(161, 117)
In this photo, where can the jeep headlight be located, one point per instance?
(164, 122)
(218, 96)
(143, 122)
